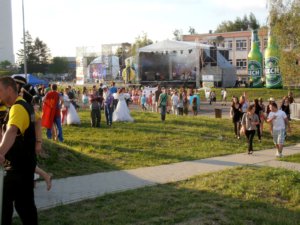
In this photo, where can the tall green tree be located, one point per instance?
(5, 64)
(192, 30)
(6, 68)
(239, 24)
(140, 41)
(285, 28)
(59, 65)
(37, 55)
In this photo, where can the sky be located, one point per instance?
(66, 24)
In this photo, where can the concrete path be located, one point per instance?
(74, 189)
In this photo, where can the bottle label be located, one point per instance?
(254, 73)
(272, 72)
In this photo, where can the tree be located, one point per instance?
(285, 20)
(140, 41)
(239, 24)
(59, 65)
(192, 30)
(177, 35)
(37, 55)
(5, 64)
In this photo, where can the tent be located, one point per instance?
(104, 66)
(173, 58)
(33, 80)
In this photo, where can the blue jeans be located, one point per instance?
(108, 114)
(163, 111)
(57, 122)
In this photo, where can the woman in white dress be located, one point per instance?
(69, 113)
(122, 113)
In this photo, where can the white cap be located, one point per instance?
(104, 86)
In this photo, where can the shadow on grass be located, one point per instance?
(64, 161)
(170, 204)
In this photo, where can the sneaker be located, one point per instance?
(277, 154)
(280, 155)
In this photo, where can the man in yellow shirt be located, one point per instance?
(17, 155)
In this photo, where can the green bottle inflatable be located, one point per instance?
(272, 71)
(255, 62)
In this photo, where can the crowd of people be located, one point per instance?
(25, 109)
(248, 118)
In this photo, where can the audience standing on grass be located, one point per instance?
(143, 102)
(51, 113)
(175, 101)
(113, 90)
(95, 108)
(157, 94)
(65, 106)
(180, 105)
(28, 93)
(18, 156)
(280, 124)
(195, 106)
(224, 96)
(107, 105)
(122, 113)
(212, 97)
(163, 103)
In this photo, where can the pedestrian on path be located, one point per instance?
(258, 112)
(250, 121)
(224, 96)
(280, 124)
(236, 114)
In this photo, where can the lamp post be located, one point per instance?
(24, 42)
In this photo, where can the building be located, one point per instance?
(238, 43)
(6, 34)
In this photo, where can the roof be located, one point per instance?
(170, 45)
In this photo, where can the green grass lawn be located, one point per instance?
(245, 195)
(146, 142)
(292, 158)
(253, 93)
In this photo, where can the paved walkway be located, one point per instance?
(74, 189)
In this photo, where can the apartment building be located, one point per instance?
(238, 43)
(6, 33)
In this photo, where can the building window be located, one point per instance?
(230, 61)
(241, 64)
(241, 45)
(229, 45)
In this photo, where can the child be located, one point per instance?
(143, 102)
(153, 103)
(194, 106)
